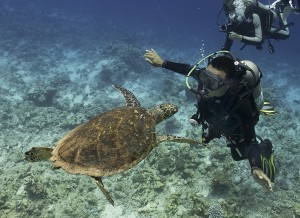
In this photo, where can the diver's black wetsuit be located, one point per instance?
(225, 117)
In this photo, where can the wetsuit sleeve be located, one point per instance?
(257, 29)
(180, 68)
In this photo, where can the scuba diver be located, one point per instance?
(250, 22)
(229, 97)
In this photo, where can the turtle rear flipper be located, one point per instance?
(172, 138)
(100, 185)
(36, 154)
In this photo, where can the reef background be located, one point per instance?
(58, 60)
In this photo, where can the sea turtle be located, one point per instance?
(109, 143)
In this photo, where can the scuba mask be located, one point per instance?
(212, 84)
(211, 81)
(236, 18)
(232, 16)
(235, 10)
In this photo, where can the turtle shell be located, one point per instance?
(110, 143)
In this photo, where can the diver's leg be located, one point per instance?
(283, 21)
(283, 11)
(296, 9)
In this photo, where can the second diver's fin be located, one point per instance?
(268, 109)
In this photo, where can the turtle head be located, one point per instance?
(163, 111)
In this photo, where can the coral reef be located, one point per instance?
(41, 96)
(200, 206)
(34, 188)
(215, 211)
(126, 53)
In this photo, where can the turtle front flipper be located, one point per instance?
(36, 154)
(172, 138)
(131, 100)
(100, 185)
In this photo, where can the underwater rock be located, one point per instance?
(200, 206)
(60, 80)
(166, 165)
(3, 200)
(41, 96)
(148, 178)
(297, 211)
(34, 188)
(171, 126)
(116, 73)
(150, 207)
(172, 204)
(72, 121)
(127, 53)
(219, 154)
(220, 183)
(283, 184)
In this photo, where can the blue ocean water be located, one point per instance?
(58, 61)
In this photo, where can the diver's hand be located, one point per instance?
(153, 58)
(235, 36)
(262, 179)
